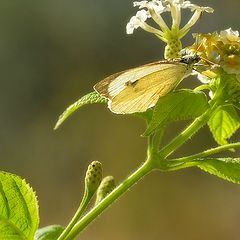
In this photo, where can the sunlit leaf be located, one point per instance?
(18, 209)
(49, 233)
(147, 116)
(179, 105)
(224, 123)
(226, 168)
(90, 98)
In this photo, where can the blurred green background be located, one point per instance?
(53, 52)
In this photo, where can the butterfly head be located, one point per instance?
(190, 59)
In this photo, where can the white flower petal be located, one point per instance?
(143, 15)
(193, 7)
(207, 9)
(137, 20)
(134, 23)
(230, 35)
(211, 95)
(141, 4)
(203, 78)
(188, 4)
(154, 4)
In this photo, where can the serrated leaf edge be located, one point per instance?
(13, 176)
(220, 175)
(186, 117)
(76, 105)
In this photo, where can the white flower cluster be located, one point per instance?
(222, 49)
(153, 9)
(231, 62)
(229, 36)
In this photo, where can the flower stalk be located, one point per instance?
(110, 198)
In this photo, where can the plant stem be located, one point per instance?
(187, 133)
(86, 199)
(157, 138)
(208, 152)
(109, 199)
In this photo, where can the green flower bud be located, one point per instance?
(172, 49)
(106, 186)
(93, 176)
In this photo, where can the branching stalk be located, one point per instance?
(187, 133)
(109, 199)
(208, 152)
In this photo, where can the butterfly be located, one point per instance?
(138, 89)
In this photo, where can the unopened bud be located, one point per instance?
(172, 49)
(106, 186)
(93, 176)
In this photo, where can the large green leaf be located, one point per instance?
(232, 88)
(90, 98)
(51, 232)
(226, 168)
(147, 116)
(178, 105)
(18, 209)
(224, 123)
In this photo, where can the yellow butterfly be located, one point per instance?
(137, 89)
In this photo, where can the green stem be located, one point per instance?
(187, 133)
(208, 152)
(86, 199)
(109, 199)
(177, 165)
(157, 138)
(150, 144)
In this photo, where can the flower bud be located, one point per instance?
(172, 49)
(106, 186)
(93, 176)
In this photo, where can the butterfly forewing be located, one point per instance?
(138, 89)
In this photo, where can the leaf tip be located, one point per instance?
(57, 125)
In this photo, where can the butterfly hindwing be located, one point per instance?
(138, 89)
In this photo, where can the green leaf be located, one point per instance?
(18, 208)
(178, 105)
(147, 116)
(226, 168)
(224, 123)
(237, 105)
(232, 87)
(51, 232)
(90, 98)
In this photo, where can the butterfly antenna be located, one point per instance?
(210, 62)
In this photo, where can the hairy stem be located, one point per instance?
(109, 199)
(86, 199)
